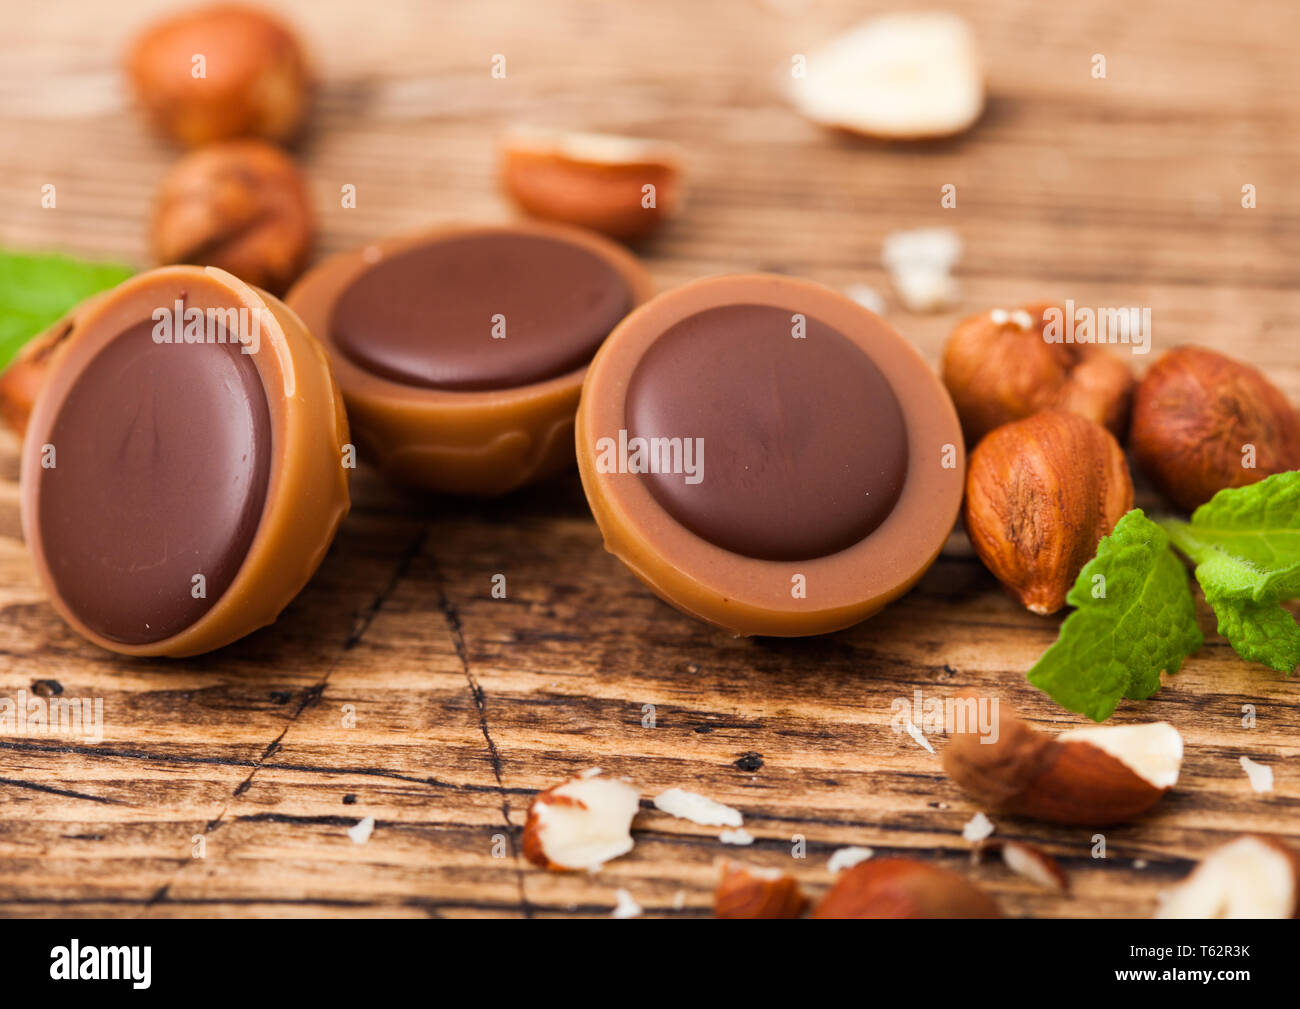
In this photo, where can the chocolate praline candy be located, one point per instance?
(461, 350)
(183, 472)
(767, 455)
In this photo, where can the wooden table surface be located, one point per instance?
(396, 687)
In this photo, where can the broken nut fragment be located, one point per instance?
(1093, 776)
(1251, 877)
(581, 823)
(999, 367)
(904, 888)
(1033, 863)
(242, 206)
(23, 378)
(907, 76)
(920, 263)
(697, 808)
(751, 892)
(1040, 495)
(621, 186)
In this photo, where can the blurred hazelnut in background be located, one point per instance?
(624, 187)
(219, 72)
(909, 75)
(242, 206)
(22, 379)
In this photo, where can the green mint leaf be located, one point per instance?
(1259, 632)
(35, 291)
(1245, 543)
(1117, 645)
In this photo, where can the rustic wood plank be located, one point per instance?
(1123, 191)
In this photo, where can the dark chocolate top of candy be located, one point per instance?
(804, 445)
(433, 316)
(162, 456)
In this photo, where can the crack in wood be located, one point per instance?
(452, 616)
(371, 772)
(400, 571)
(311, 696)
(67, 793)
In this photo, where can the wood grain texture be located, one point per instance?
(1113, 192)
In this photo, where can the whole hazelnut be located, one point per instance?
(1203, 422)
(999, 367)
(1040, 494)
(219, 72)
(242, 206)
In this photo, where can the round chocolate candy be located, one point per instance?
(184, 469)
(768, 455)
(461, 350)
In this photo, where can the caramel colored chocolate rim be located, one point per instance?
(744, 594)
(459, 441)
(307, 495)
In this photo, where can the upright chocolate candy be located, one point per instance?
(461, 351)
(767, 455)
(183, 473)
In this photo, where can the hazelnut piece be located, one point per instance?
(621, 186)
(1035, 864)
(242, 206)
(581, 823)
(1092, 776)
(219, 72)
(906, 76)
(753, 892)
(999, 367)
(1203, 422)
(1040, 495)
(1255, 876)
(904, 888)
(22, 380)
